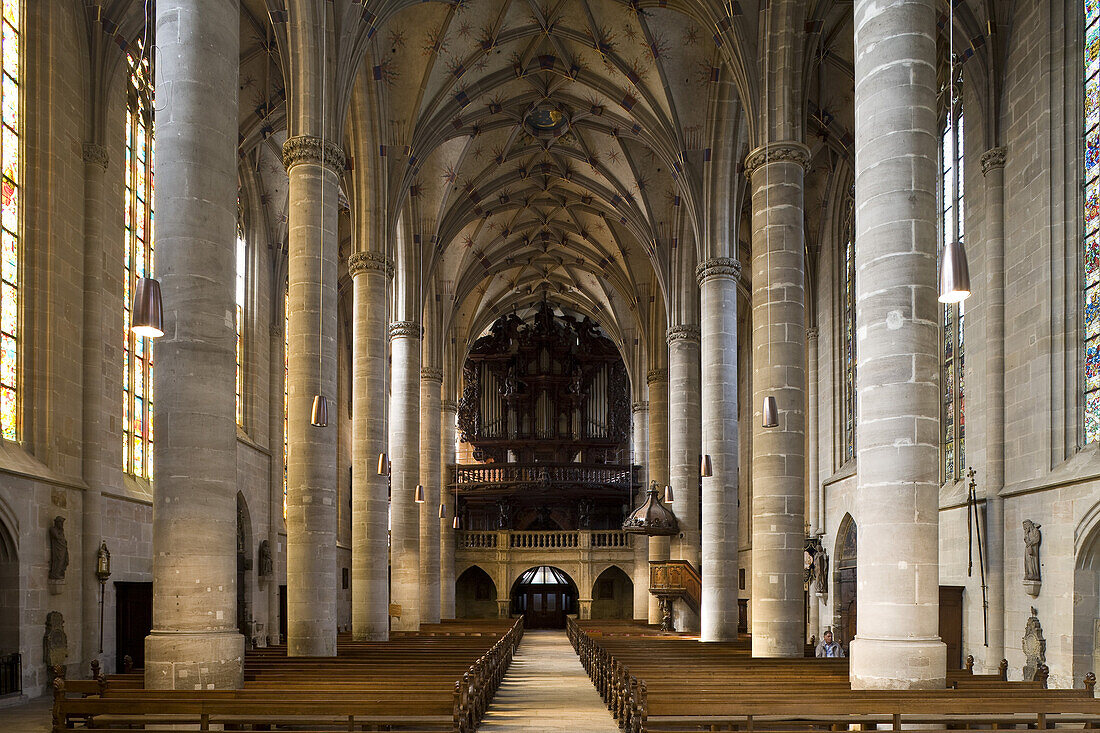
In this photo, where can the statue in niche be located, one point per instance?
(1033, 645)
(267, 568)
(817, 574)
(1033, 538)
(55, 644)
(59, 549)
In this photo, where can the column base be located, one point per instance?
(897, 664)
(201, 660)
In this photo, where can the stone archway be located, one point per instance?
(544, 595)
(9, 593)
(475, 594)
(613, 595)
(1086, 606)
(844, 582)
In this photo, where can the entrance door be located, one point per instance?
(133, 621)
(545, 596)
(951, 623)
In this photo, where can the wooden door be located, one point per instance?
(133, 621)
(282, 613)
(951, 623)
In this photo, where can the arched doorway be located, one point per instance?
(613, 595)
(9, 593)
(844, 582)
(1086, 607)
(475, 594)
(244, 568)
(545, 595)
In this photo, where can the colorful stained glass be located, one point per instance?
(137, 257)
(242, 259)
(10, 216)
(1091, 321)
(953, 384)
(849, 336)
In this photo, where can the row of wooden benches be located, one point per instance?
(414, 684)
(663, 684)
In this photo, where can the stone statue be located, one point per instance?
(1034, 646)
(55, 644)
(504, 518)
(266, 565)
(59, 549)
(821, 571)
(584, 514)
(1032, 539)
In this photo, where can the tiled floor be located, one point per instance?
(32, 717)
(546, 689)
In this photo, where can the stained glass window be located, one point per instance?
(10, 203)
(242, 252)
(137, 386)
(1092, 221)
(849, 335)
(953, 417)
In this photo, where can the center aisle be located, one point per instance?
(546, 689)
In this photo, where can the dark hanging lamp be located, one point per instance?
(705, 469)
(148, 319)
(418, 496)
(668, 494)
(954, 274)
(319, 415)
(652, 518)
(771, 412)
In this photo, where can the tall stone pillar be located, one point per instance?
(993, 166)
(779, 370)
(431, 388)
(718, 290)
(813, 493)
(102, 465)
(897, 644)
(194, 641)
(405, 473)
(684, 437)
(639, 542)
(276, 522)
(657, 379)
(446, 524)
(369, 491)
(313, 166)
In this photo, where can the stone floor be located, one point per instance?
(546, 689)
(32, 717)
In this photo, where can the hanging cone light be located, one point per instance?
(148, 320)
(771, 412)
(456, 523)
(954, 274)
(705, 469)
(652, 518)
(668, 494)
(418, 496)
(442, 511)
(383, 464)
(319, 415)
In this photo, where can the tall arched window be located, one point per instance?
(10, 204)
(242, 260)
(954, 316)
(848, 337)
(1092, 221)
(137, 411)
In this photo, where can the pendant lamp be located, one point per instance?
(705, 469)
(442, 511)
(954, 274)
(418, 496)
(456, 523)
(771, 412)
(148, 319)
(668, 495)
(319, 415)
(383, 464)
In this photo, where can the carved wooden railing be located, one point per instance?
(468, 475)
(671, 580)
(542, 540)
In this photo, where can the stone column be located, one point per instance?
(993, 166)
(275, 507)
(446, 524)
(313, 166)
(813, 481)
(684, 437)
(194, 641)
(897, 644)
(779, 370)
(431, 419)
(405, 473)
(657, 379)
(718, 291)
(640, 542)
(369, 492)
(102, 465)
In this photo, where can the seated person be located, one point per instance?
(827, 647)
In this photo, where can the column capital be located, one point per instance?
(360, 262)
(993, 158)
(310, 149)
(684, 332)
(431, 374)
(448, 406)
(811, 333)
(95, 153)
(783, 151)
(640, 406)
(718, 267)
(656, 375)
(404, 329)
